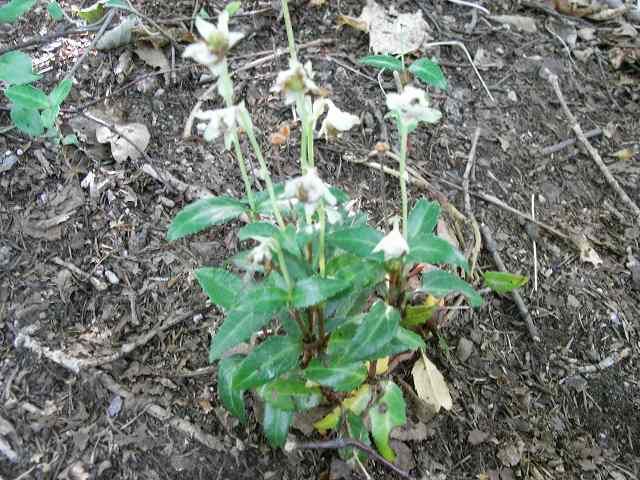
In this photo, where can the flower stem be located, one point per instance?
(323, 228)
(404, 138)
(283, 267)
(245, 121)
(287, 23)
(310, 160)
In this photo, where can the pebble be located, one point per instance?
(112, 278)
(465, 349)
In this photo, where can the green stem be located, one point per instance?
(245, 121)
(310, 160)
(404, 138)
(283, 267)
(287, 23)
(323, 227)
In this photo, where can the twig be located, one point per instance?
(553, 79)
(113, 129)
(472, 5)
(25, 340)
(189, 191)
(610, 361)
(348, 442)
(103, 28)
(467, 203)
(567, 143)
(456, 43)
(524, 312)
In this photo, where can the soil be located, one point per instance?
(521, 409)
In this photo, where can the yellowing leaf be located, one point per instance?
(329, 422)
(359, 400)
(430, 385)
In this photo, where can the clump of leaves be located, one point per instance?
(424, 69)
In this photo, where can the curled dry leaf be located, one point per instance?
(129, 141)
(430, 385)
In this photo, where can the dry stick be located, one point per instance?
(103, 28)
(567, 143)
(553, 79)
(472, 5)
(467, 203)
(349, 442)
(610, 361)
(165, 177)
(524, 312)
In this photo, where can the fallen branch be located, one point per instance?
(163, 176)
(467, 204)
(568, 142)
(524, 312)
(339, 443)
(575, 126)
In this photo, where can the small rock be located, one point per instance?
(572, 301)
(111, 277)
(465, 349)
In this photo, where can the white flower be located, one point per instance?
(393, 244)
(217, 42)
(413, 106)
(309, 189)
(296, 81)
(261, 254)
(220, 122)
(336, 119)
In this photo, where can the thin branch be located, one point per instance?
(467, 204)
(471, 5)
(567, 143)
(349, 442)
(607, 362)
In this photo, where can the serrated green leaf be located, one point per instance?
(423, 218)
(382, 61)
(16, 68)
(262, 303)
(376, 330)
(340, 377)
(387, 413)
(404, 341)
(429, 72)
(27, 120)
(440, 284)
(427, 248)
(340, 340)
(275, 424)
(418, 314)
(60, 93)
(232, 399)
(232, 8)
(504, 282)
(359, 272)
(222, 287)
(55, 10)
(93, 13)
(13, 10)
(314, 290)
(27, 96)
(204, 213)
(359, 241)
(275, 356)
(257, 230)
(49, 116)
(290, 394)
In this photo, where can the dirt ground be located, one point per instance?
(85, 272)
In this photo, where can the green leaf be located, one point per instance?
(27, 120)
(93, 13)
(357, 430)
(55, 10)
(60, 93)
(342, 378)
(359, 241)
(404, 341)
(232, 8)
(222, 287)
(49, 116)
(504, 282)
(429, 72)
(440, 284)
(314, 290)
(423, 219)
(388, 412)
(117, 4)
(290, 394)
(356, 271)
(13, 10)
(70, 139)
(340, 340)
(257, 230)
(377, 329)
(16, 68)
(249, 316)
(427, 248)
(382, 61)
(204, 213)
(418, 314)
(27, 96)
(275, 356)
(203, 14)
(275, 424)
(232, 399)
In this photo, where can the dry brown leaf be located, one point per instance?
(154, 57)
(137, 135)
(430, 385)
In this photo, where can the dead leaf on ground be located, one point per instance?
(118, 36)
(154, 57)
(586, 251)
(430, 385)
(511, 454)
(129, 141)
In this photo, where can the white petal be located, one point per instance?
(205, 29)
(200, 53)
(393, 245)
(223, 23)
(235, 37)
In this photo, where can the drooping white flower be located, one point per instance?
(393, 245)
(309, 189)
(217, 41)
(222, 121)
(261, 254)
(412, 105)
(336, 120)
(297, 80)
